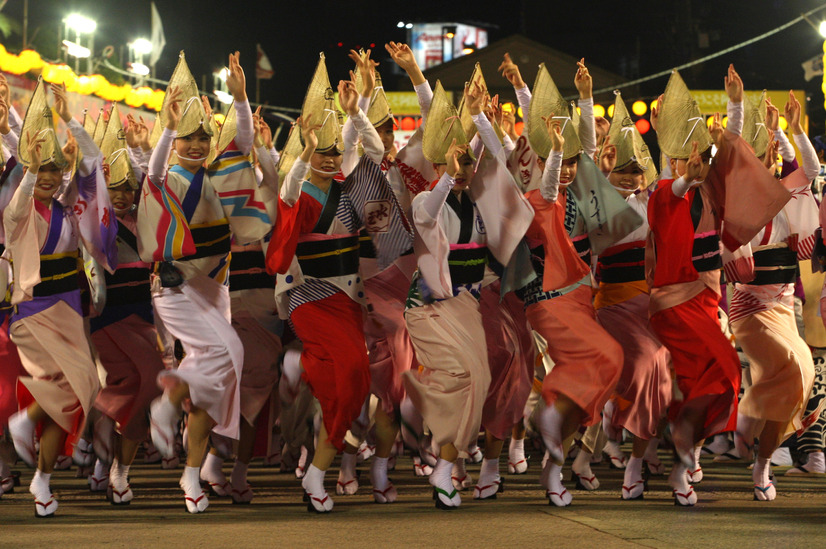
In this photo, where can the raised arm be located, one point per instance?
(291, 188)
(91, 153)
(510, 71)
(474, 99)
(373, 147)
(587, 125)
(549, 187)
(237, 86)
(403, 56)
(811, 164)
(433, 201)
(160, 156)
(734, 107)
(10, 138)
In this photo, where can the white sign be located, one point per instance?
(436, 43)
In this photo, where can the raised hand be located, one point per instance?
(173, 108)
(265, 132)
(308, 130)
(772, 116)
(236, 80)
(70, 148)
(207, 106)
(474, 98)
(452, 157)
(348, 97)
(608, 157)
(770, 158)
(137, 134)
(402, 55)
(582, 80)
(694, 165)
(34, 149)
(509, 123)
(554, 132)
(367, 70)
(734, 85)
(792, 113)
(510, 71)
(716, 129)
(61, 105)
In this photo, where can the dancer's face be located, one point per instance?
(49, 180)
(193, 149)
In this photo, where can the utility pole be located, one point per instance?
(25, 22)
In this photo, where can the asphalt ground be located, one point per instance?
(725, 516)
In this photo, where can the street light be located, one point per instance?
(81, 25)
(137, 50)
(141, 46)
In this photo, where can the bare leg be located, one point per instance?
(770, 438)
(199, 426)
(640, 445)
(387, 428)
(493, 446)
(325, 452)
(247, 442)
(51, 440)
(448, 452)
(126, 449)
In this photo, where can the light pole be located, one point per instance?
(81, 25)
(137, 50)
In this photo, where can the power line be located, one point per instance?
(772, 32)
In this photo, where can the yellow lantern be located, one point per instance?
(599, 110)
(639, 108)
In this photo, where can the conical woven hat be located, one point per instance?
(157, 130)
(754, 124)
(228, 131)
(379, 110)
(114, 151)
(88, 122)
(468, 126)
(39, 124)
(193, 115)
(100, 128)
(320, 103)
(547, 100)
(680, 121)
(292, 150)
(631, 147)
(441, 127)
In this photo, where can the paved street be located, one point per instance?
(726, 515)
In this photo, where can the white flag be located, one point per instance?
(158, 39)
(813, 67)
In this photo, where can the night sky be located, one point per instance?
(653, 36)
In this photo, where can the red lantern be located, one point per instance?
(419, 121)
(643, 125)
(408, 123)
(519, 126)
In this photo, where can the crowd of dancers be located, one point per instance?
(183, 282)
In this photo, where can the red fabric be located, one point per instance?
(334, 360)
(289, 225)
(511, 356)
(10, 369)
(705, 362)
(563, 265)
(587, 360)
(669, 217)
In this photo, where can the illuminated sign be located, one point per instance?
(436, 43)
